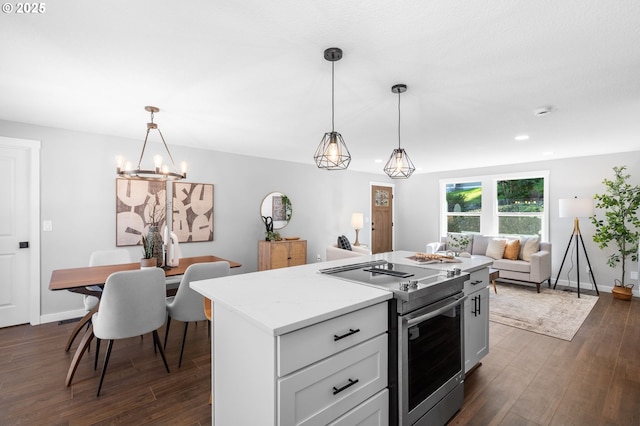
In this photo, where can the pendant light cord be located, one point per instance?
(332, 96)
(398, 120)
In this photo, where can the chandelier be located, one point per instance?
(332, 153)
(399, 165)
(161, 171)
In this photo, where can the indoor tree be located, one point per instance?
(620, 224)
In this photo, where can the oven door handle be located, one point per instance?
(413, 321)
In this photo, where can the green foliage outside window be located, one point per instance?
(521, 195)
(519, 225)
(463, 224)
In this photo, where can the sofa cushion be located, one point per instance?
(512, 249)
(480, 243)
(512, 265)
(343, 243)
(495, 249)
(529, 246)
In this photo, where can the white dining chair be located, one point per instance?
(100, 258)
(133, 303)
(186, 305)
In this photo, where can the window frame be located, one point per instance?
(489, 217)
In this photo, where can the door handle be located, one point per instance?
(24, 244)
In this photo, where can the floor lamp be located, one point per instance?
(576, 208)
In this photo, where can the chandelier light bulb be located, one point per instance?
(157, 161)
(119, 161)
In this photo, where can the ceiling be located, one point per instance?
(249, 76)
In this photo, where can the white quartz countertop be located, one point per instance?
(283, 300)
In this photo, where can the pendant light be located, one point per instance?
(161, 171)
(399, 165)
(332, 153)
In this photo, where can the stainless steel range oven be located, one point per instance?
(426, 338)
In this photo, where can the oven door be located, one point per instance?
(431, 360)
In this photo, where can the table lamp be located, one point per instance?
(357, 222)
(576, 208)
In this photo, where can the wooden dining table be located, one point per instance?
(78, 280)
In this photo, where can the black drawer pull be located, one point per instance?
(351, 331)
(351, 383)
(476, 282)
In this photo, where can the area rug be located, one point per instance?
(554, 313)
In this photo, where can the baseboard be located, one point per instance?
(589, 286)
(61, 316)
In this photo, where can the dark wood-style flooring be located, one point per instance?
(527, 379)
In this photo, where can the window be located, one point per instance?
(464, 206)
(510, 204)
(520, 206)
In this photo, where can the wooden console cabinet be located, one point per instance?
(281, 254)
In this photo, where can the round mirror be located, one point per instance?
(277, 206)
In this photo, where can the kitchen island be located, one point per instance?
(292, 346)
(282, 337)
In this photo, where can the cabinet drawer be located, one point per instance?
(477, 281)
(372, 412)
(321, 393)
(310, 344)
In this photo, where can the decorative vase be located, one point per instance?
(156, 237)
(148, 263)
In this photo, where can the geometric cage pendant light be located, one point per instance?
(399, 165)
(161, 171)
(332, 153)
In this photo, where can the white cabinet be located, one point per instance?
(321, 392)
(331, 371)
(373, 412)
(476, 318)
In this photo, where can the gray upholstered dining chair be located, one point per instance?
(100, 258)
(133, 303)
(186, 305)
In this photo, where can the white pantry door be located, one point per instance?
(14, 229)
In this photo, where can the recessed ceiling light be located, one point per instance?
(547, 153)
(522, 137)
(377, 160)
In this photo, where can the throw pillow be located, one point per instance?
(512, 250)
(531, 246)
(495, 248)
(343, 243)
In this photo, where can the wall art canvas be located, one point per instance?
(193, 211)
(139, 204)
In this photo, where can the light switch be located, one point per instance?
(47, 226)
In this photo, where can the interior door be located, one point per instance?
(381, 219)
(14, 234)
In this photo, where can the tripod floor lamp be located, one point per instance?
(576, 208)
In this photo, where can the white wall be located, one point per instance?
(78, 196)
(417, 218)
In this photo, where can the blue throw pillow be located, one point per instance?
(343, 243)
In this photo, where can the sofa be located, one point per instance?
(527, 260)
(334, 252)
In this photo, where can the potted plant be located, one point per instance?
(148, 260)
(620, 225)
(459, 242)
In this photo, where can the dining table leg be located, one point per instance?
(82, 347)
(83, 321)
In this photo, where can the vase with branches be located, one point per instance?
(620, 225)
(155, 215)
